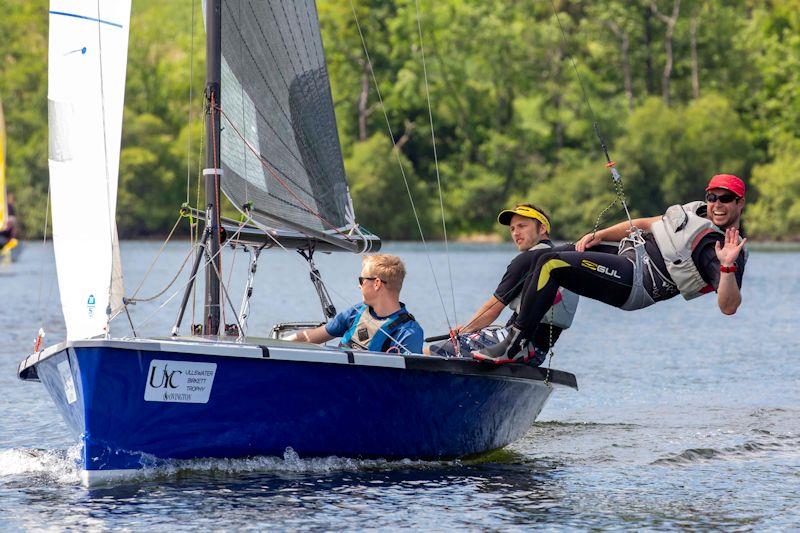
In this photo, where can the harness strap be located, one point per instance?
(394, 325)
(639, 298)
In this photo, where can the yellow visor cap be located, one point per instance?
(523, 210)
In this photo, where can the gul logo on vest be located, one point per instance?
(179, 381)
(600, 268)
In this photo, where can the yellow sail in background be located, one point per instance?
(3, 199)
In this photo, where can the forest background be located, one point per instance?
(681, 89)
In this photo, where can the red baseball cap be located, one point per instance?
(727, 181)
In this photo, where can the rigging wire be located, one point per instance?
(133, 300)
(207, 261)
(112, 221)
(335, 292)
(194, 223)
(41, 262)
(400, 162)
(191, 87)
(155, 259)
(436, 162)
(617, 179)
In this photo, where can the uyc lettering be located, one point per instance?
(166, 378)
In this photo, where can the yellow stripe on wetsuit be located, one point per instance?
(547, 268)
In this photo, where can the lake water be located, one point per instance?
(685, 418)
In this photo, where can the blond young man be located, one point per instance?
(381, 322)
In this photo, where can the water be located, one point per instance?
(685, 418)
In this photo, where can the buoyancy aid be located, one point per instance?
(677, 234)
(562, 312)
(373, 334)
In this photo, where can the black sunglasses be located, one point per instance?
(362, 279)
(723, 198)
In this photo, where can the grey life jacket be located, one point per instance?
(373, 334)
(677, 234)
(562, 312)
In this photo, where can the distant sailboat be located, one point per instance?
(9, 245)
(134, 401)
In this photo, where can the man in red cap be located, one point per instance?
(693, 249)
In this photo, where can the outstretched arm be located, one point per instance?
(316, 335)
(615, 233)
(728, 296)
(484, 316)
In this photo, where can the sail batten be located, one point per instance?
(280, 147)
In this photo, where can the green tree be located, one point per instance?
(379, 192)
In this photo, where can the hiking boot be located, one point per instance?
(508, 350)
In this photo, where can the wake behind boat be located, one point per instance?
(133, 401)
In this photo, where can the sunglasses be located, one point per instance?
(723, 198)
(362, 279)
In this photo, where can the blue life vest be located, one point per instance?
(370, 333)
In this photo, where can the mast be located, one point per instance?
(212, 171)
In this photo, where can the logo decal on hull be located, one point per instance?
(179, 381)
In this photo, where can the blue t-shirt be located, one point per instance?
(409, 334)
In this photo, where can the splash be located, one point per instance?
(291, 462)
(61, 466)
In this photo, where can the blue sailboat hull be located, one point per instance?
(122, 400)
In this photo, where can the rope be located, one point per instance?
(617, 179)
(400, 163)
(151, 298)
(196, 234)
(112, 225)
(189, 136)
(191, 279)
(436, 162)
(41, 263)
(155, 260)
(228, 298)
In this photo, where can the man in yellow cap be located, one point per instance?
(529, 226)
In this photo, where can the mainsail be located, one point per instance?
(87, 58)
(279, 146)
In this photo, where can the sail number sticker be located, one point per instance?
(179, 381)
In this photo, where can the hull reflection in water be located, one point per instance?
(133, 402)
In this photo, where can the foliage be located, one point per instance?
(378, 188)
(510, 119)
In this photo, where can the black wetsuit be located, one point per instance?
(511, 285)
(601, 274)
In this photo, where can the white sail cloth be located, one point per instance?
(87, 59)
